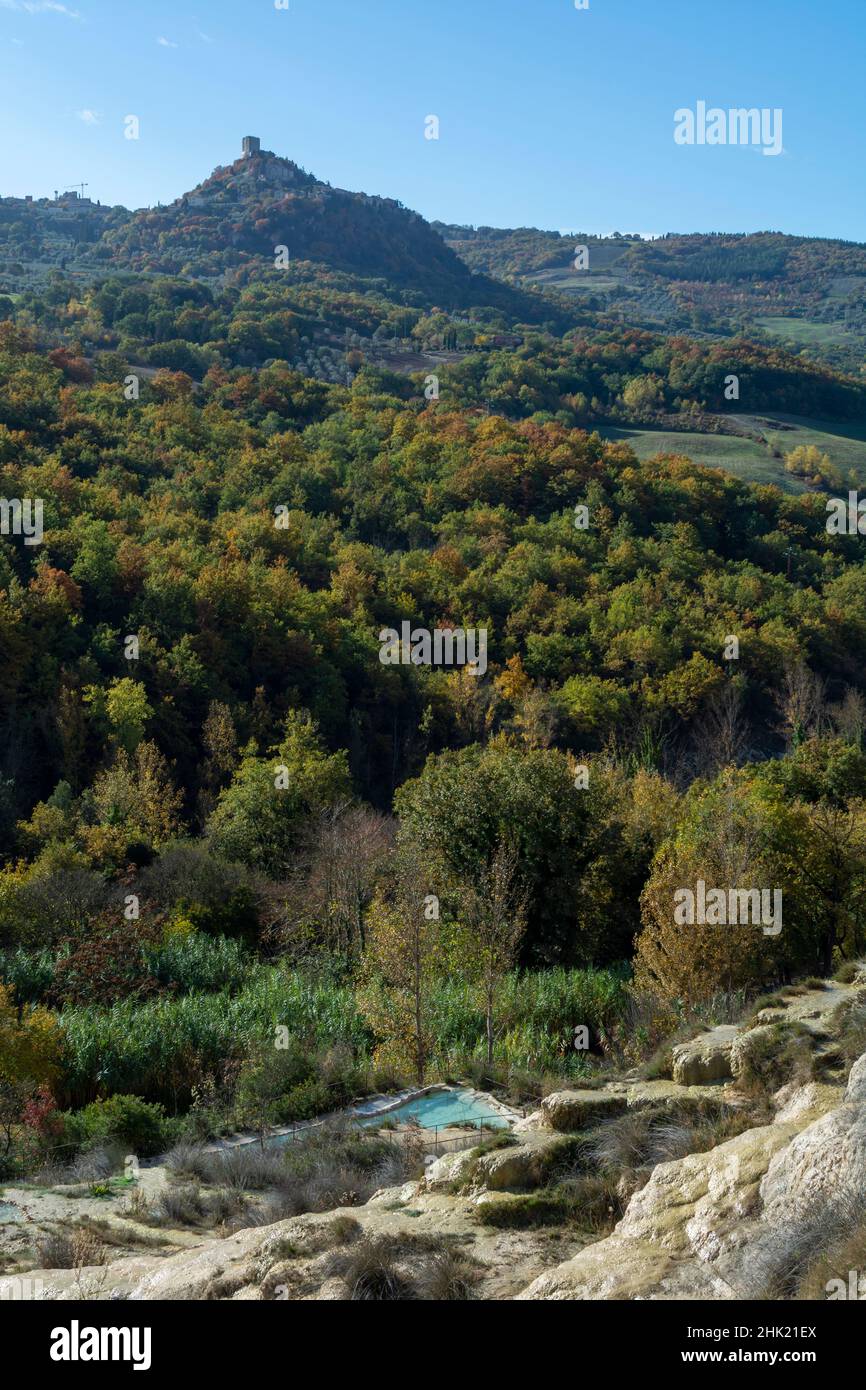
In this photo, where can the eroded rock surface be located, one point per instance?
(706, 1058)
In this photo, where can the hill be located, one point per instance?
(238, 219)
(805, 292)
(263, 263)
(251, 207)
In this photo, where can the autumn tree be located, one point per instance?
(340, 860)
(801, 699)
(31, 1043)
(493, 912)
(220, 742)
(133, 800)
(720, 737)
(406, 956)
(808, 461)
(833, 866)
(723, 839)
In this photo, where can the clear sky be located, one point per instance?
(550, 116)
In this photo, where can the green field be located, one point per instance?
(845, 442)
(808, 332)
(574, 281)
(745, 458)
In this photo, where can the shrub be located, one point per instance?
(774, 1055)
(847, 973)
(104, 963)
(225, 1206)
(50, 906)
(852, 1033)
(188, 1161)
(84, 1168)
(592, 1203)
(187, 872)
(504, 1139)
(448, 1277)
(370, 1273)
(54, 1250)
(282, 1086)
(245, 1167)
(640, 1139)
(277, 1206)
(520, 1213)
(845, 1253)
(61, 1250)
(823, 1239)
(179, 1206)
(344, 1229)
(304, 1102)
(766, 1001)
(564, 1158)
(186, 1205)
(128, 1120)
(96, 1163)
(585, 1201)
(237, 915)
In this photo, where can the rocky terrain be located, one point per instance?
(763, 1197)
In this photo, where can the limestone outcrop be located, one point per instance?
(706, 1058)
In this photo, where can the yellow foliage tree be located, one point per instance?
(404, 958)
(720, 843)
(30, 1042)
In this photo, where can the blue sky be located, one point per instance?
(550, 116)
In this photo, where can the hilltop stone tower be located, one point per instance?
(252, 145)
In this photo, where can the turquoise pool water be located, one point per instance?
(439, 1108)
(434, 1110)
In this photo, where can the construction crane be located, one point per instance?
(73, 186)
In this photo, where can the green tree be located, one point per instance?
(260, 816)
(128, 711)
(818, 798)
(581, 902)
(95, 564)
